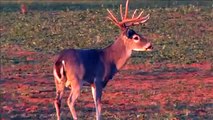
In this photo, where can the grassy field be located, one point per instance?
(181, 63)
(180, 35)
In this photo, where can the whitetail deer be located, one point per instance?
(97, 66)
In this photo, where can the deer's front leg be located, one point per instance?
(97, 88)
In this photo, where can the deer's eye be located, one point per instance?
(136, 38)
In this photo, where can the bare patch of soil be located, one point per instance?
(159, 91)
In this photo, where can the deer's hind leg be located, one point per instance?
(59, 93)
(74, 93)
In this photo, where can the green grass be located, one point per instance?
(184, 33)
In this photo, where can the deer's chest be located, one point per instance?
(104, 72)
(110, 71)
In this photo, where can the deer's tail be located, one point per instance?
(59, 71)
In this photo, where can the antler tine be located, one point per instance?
(126, 11)
(113, 19)
(140, 14)
(114, 22)
(145, 18)
(121, 12)
(137, 21)
(127, 22)
(112, 16)
(134, 13)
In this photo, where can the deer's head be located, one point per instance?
(132, 40)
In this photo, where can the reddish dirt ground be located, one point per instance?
(145, 91)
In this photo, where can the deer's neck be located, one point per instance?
(117, 53)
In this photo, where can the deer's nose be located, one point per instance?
(149, 47)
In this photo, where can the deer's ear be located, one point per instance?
(130, 33)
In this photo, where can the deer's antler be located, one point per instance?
(125, 21)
